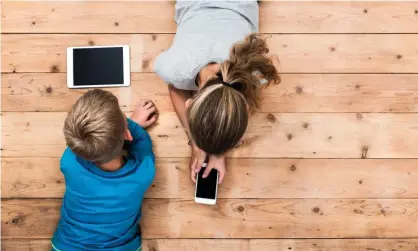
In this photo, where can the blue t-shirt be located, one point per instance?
(100, 209)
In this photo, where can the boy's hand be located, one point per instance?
(145, 113)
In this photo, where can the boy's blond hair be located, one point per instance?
(95, 125)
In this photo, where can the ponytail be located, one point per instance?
(248, 64)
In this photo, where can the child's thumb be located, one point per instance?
(152, 120)
(207, 171)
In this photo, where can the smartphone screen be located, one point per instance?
(206, 187)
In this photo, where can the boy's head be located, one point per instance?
(95, 127)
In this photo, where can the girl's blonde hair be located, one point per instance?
(218, 114)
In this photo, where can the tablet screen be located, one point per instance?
(98, 66)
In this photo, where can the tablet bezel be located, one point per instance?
(126, 67)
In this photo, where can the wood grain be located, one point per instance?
(296, 93)
(89, 17)
(49, 92)
(46, 53)
(323, 53)
(239, 218)
(241, 244)
(269, 135)
(270, 193)
(246, 178)
(158, 17)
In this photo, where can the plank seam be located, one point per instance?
(173, 33)
(219, 199)
(342, 238)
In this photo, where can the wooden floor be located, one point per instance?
(329, 163)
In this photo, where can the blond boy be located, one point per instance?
(104, 188)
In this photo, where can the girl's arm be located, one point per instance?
(179, 98)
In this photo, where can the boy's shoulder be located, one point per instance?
(69, 159)
(68, 154)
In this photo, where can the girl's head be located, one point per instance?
(218, 113)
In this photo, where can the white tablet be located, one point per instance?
(98, 66)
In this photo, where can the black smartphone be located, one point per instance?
(206, 188)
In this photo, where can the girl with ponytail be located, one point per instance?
(214, 78)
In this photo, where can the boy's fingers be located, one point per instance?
(149, 105)
(151, 110)
(146, 102)
(152, 120)
(141, 103)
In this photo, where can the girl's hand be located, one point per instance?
(145, 113)
(196, 161)
(217, 163)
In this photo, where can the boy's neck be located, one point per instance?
(113, 165)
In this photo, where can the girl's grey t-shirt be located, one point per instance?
(206, 31)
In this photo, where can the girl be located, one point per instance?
(226, 81)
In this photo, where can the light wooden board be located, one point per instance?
(246, 178)
(241, 245)
(46, 53)
(158, 17)
(89, 17)
(300, 53)
(238, 218)
(296, 93)
(49, 92)
(269, 135)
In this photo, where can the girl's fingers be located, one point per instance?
(221, 177)
(207, 171)
(199, 163)
(193, 175)
(192, 170)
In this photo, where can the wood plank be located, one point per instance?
(296, 93)
(338, 17)
(240, 244)
(325, 53)
(269, 135)
(334, 245)
(275, 17)
(49, 92)
(273, 178)
(89, 17)
(46, 53)
(25, 245)
(239, 218)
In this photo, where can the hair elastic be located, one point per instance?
(236, 86)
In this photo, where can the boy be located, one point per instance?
(104, 188)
